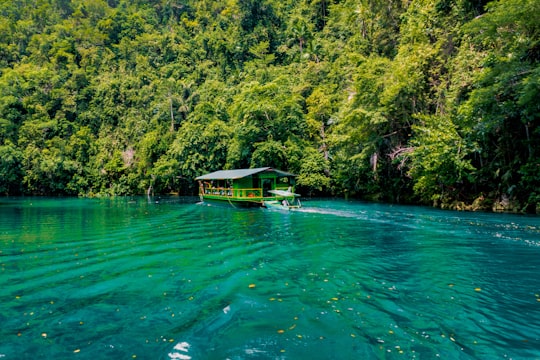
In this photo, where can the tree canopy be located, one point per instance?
(433, 102)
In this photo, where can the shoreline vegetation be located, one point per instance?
(414, 102)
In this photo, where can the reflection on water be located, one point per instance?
(169, 279)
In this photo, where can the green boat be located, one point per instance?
(262, 187)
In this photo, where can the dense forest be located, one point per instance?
(413, 101)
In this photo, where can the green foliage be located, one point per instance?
(197, 148)
(269, 153)
(434, 101)
(263, 112)
(313, 172)
(501, 109)
(10, 169)
(439, 160)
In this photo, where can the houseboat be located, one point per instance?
(263, 187)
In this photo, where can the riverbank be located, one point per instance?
(503, 204)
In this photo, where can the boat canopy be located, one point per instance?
(240, 173)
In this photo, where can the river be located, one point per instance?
(168, 278)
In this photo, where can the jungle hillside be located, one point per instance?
(409, 101)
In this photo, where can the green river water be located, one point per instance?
(167, 278)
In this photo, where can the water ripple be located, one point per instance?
(165, 278)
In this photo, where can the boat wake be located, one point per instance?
(362, 215)
(323, 211)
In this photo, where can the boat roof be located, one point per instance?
(240, 173)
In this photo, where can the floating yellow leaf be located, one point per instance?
(77, 351)
(280, 331)
(251, 286)
(44, 335)
(335, 299)
(477, 289)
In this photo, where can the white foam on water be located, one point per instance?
(181, 346)
(178, 356)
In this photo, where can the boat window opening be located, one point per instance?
(266, 186)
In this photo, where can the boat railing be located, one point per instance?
(248, 193)
(245, 193)
(222, 191)
(231, 192)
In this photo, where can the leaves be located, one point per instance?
(397, 101)
(440, 159)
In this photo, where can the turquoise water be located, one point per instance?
(171, 279)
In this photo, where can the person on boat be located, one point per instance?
(201, 187)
